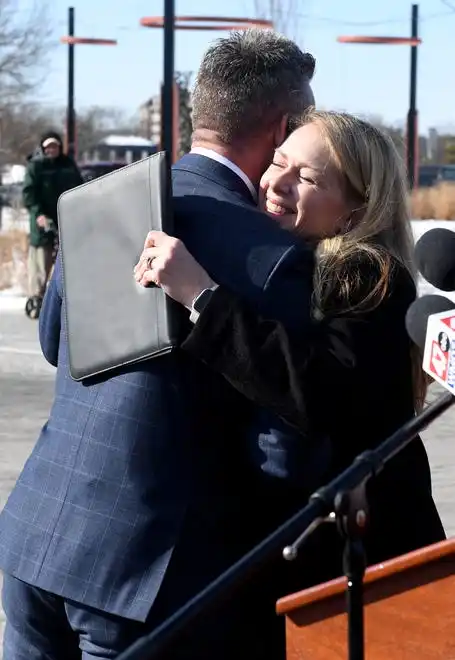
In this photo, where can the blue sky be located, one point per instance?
(355, 78)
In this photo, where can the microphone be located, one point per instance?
(430, 322)
(435, 257)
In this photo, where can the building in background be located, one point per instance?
(423, 149)
(150, 119)
(441, 146)
(150, 115)
(125, 148)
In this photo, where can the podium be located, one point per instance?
(409, 611)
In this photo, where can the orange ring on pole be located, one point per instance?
(207, 28)
(72, 41)
(220, 22)
(408, 41)
(221, 19)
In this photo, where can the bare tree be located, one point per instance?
(183, 80)
(23, 124)
(94, 123)
(21, 127)
(397, 133)
(25, 41)
(283, 13)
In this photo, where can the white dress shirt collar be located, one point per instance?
(209, 153)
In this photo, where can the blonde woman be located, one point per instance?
(354, 376)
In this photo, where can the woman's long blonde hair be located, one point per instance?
(378, 230)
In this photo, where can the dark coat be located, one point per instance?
(45, 180)
(348, 378)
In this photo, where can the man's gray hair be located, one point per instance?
(249, 80)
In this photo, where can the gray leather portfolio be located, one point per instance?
(111, 320)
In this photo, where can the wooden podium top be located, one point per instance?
(409, 611)
(373, 574)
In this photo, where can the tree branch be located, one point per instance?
(25, 43)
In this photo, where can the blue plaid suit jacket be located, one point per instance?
(137, 472)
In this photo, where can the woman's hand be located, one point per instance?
(166, 262)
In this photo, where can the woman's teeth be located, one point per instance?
(276, 209)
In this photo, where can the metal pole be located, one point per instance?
(71, 123)
(167, 105)
(412, 130)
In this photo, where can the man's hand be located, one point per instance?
(167, 263)
(42, 221)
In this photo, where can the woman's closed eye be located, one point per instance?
(307, 179)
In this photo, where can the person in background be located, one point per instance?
(49, 173)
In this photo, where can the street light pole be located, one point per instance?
(72, 41)
(412, 129)
(167, 105)
(71, 120)
(412, 160)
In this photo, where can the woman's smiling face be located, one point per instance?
(302, 189)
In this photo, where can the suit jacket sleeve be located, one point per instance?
(50, 317)
(291, 372)
(247, 252)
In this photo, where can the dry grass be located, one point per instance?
(437, 202)
(13, 260)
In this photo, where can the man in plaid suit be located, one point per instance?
(136, 494)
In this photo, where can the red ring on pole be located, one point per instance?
(207, 28)
(407, 41)
(72, 41)
(221, 19)
(220, 22)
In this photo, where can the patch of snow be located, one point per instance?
(127, 141)
(13, 174)
(12, 300)
(12, 219)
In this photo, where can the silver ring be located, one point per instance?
(150, 263)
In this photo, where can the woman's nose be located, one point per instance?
(282, 182)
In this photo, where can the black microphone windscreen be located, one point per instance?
(418, 313)
(435, 257)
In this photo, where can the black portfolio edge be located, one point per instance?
(173, 309)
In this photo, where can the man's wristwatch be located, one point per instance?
(200, 302)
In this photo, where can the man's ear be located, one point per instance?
(281, 131)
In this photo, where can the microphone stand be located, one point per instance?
(351, 517)
(342, 500)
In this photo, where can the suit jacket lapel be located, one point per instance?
(216, 172)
